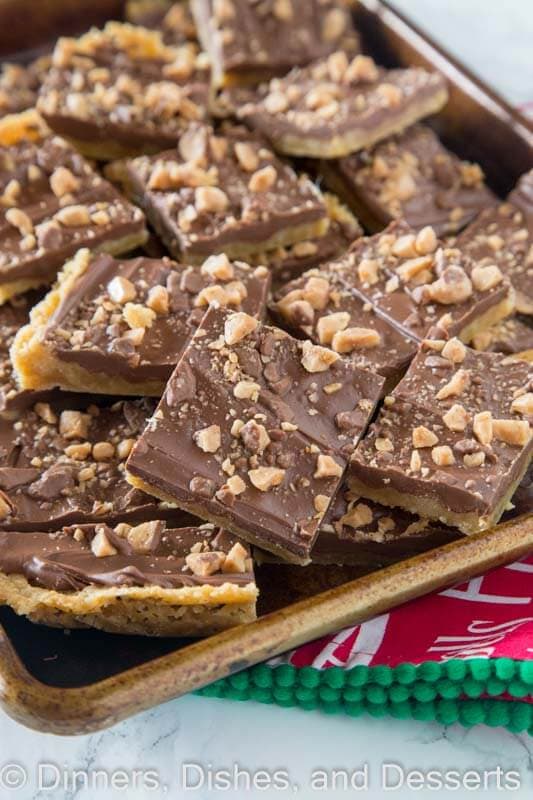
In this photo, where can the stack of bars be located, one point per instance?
(209, 361)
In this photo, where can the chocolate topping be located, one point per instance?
(123, 86)
(53, 204)
(132, 318)
(414, 177)
(259, 419)
(73, 558)
(225, 193)
(66, 466)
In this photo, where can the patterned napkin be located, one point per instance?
(463, 655)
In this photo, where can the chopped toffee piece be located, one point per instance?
(146, 579)
(253, 432)
(121, 91)
(511, 336)
(411, 176)
(417, 282)
(61, 467)
(287, 263)
(119, 327)
(249, 42)
(174, 20)
(335, 106)
(225, 193)
(318, 306)
(503, 237)
(19, 85)
(453, 440)
(52, 203)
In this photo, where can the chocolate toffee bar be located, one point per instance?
(51, 204)
(318, 306)
(253, 432)
(62, 467)
(335, 107)
(511, 336)
(286, 263)
(453, 440)
(416, 282)
(504, 236)
(411, 176)
(121, 90)
(147, 579)
(248, 42)
(225, 193)
(19, 85)
(119, 327)
(13, 316)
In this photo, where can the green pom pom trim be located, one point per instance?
(468, 692)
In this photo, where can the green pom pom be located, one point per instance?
(353, 694)
(400, 710)
(480, 669)
(472, 712)
(495, 687)
(473, 688)
(504, 668)
(262, 675)
(335, 677)
(329, 695)
(424, 692)
(405, 673)
(518, 689)
(430, 671)
(447, 712)
(354, 709)
(498, 715)
(398, 693)
(305, 695)
(283, 696)
(309, 676)
(525, 669)
(521, 717)
(455, 670)
(284, 675)
(260, 695)
(447, 689)
(357, 676)
(424, 711)
(239, 680)
(381, 675)
(376, 695)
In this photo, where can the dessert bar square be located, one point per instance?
(418, 282)
(225, 193)
(335, 106)
(453, 440)
(254, 430)
(119, 327)
(249, 42)
(52, 203)
(504, 236)
(286, 263)
(147, 579)
(319, 306)
(121, 91)
(411, 176)
(62, 466)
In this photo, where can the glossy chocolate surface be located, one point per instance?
(65, 561)
(268, 413)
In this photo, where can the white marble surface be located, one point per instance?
(494, 38)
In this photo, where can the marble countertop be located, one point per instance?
(494, 39)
